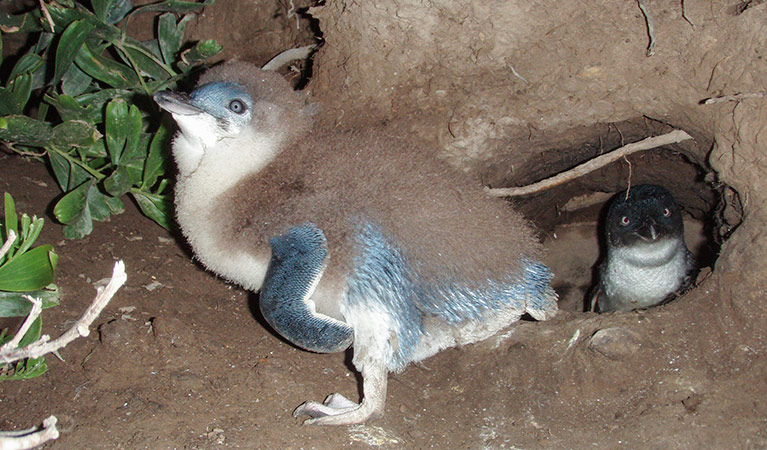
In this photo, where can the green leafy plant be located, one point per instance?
(24, 271)
(81, 97)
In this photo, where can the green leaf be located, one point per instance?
(79, 208)
(157, 207)
(29, 271)
(25, 131)
(74, 82)
(198, 54)
(97, 150)
(118, 183)
(29, 368)
(13, 304)
(158, 153)
(70, 109)
(30, 232)
(68, 175)
(60, 167)
(98, 99)
(111, 72)
(73, 205)
(20, 23)
(103, 206)
(133, 136)
(27, 64)
(118, 10)
(71, 41)
(75, 133)
(170, 35)
(14, 97)
(147, 62)
(117, 127)
(11, 218)
(101, 8)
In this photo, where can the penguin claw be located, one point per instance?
(334, 404)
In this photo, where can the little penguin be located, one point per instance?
(647, 260)
(353, 237)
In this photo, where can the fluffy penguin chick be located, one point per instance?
(647, 260)
(352, 237)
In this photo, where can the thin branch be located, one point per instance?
(33, 437)
(287, 56)
(650, 26)
(734, 97)
(628, 189)
(516, 74)
(684, 16)
(47, 15)
(37, 308)
(589, 166)
(8, 242)
(80, 328)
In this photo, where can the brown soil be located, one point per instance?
(183, 360)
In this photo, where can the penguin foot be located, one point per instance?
(334, 405)
(339, 410)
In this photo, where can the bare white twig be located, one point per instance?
(48, 17)
(37, 308)
(734, 97)
(589, 166)
(650, 26)
(21, 440)
(80, 328)
(287, 56)
(8, 242)
(516, 74)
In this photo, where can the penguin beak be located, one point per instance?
(648, 232)
(175, 103)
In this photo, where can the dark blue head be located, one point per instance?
(212, 111)
(647, 214)
(223, 100)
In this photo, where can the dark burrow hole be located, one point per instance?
(571, 216)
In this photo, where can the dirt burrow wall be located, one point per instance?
(495, 82)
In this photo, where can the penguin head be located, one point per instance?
(645, 215)
(212, 112)
(235, 105)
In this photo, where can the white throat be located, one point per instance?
(214, 164)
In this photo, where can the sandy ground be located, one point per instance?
(183, 360)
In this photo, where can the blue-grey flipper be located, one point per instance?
(298, 260)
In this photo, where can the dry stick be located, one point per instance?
(81, 328)
(19, 440)
(734, 97)
(11, 238)
(48, 17)
(650, 26)
(287, 56)
(589, 166)
(37, 308)
(28, 439)
(628, 189)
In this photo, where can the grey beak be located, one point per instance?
(176, 103)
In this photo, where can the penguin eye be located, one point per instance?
(237, 106)
(666, 212)
(625, 221)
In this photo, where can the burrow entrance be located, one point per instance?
(570, 216)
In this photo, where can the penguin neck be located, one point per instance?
(222, 165)
(653, 254)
